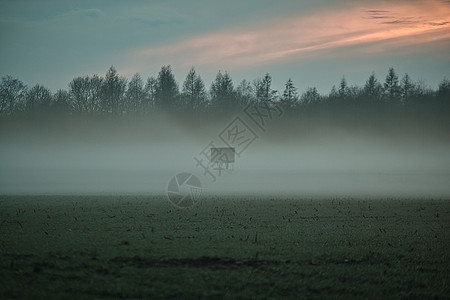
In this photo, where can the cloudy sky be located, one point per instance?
(313, 42)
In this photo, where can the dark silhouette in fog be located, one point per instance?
(114, 95)
(110, 135)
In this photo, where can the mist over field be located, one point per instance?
(139, 158)
(225, 149)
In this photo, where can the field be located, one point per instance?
(80, 247)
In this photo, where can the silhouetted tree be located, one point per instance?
(61, 101)
(444, 89)
(406, 88)
(310, 96)
(167, 93)
(135, 94)
(194, 92)
(263, 89)
(38, 99)
(12, 95)
(391, 87)
(222, 92)
(443, 96)
(87, 94)
(354, 93)
(244, 93)
(347, 104)
(422, 90)
(149, 94)
(290, 96)
(96, 90)
(113, 92)
(372, 89)
(343, 91)
(79, 89)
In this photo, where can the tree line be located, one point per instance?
(115, 95)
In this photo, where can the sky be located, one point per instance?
(313, 42)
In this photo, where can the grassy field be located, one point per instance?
(245, 247)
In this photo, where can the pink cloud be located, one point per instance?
(381, 25)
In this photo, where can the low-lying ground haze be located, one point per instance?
(140, 156)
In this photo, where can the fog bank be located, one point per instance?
(140, 159)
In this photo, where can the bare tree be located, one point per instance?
(444, 89)
(61, 101)
(95, 94)
(12, 95)
(79, 90)
(87, 94)
(38, 99)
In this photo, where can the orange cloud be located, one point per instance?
(381, 25)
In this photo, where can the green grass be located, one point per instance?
(245, 247)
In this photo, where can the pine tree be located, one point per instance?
(113, 92)
(372, 89)
(343, 91)
(149, 94)
(167, 93)
(222, 92)
(406, 88)
(290, 95)
(135, 94)
(193, 93)
(391, 87)
(244, 93)
(310, 96)
(263, 89)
